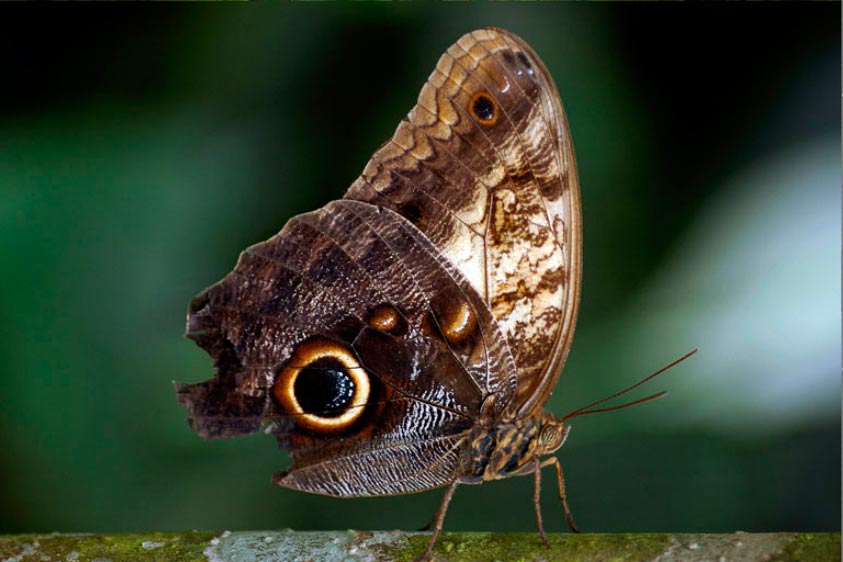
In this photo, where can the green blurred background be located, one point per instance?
(142, 147)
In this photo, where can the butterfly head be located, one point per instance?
(552, 435)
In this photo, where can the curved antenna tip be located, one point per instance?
(587, 409)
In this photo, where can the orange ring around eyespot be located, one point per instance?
(494, 108)
(305, 354)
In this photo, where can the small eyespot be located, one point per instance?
(453, 318)
(458, 322)
(484, 108)
(385, 318)
(323, 385)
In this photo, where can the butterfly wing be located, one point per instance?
(360, 285)
(444, 278)
(484, 166)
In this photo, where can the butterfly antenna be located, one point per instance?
(587, 409)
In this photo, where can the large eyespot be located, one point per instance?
(323, 386)
(484, 108)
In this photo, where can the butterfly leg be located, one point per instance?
(560, 480)
(537, 492)
(427, 555)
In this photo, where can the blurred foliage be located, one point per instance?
(142, 147)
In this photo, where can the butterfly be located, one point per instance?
(407, 336)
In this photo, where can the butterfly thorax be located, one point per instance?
(502, 449)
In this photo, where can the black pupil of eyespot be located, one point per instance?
(484, 108)
(324, 388)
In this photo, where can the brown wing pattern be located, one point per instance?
(321, 277)
(499, 197)
(447, 275)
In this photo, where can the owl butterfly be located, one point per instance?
(406, 337)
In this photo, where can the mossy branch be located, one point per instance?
(272, 546)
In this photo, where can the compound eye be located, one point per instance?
(323, 385)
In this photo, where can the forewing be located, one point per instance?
(498, 196)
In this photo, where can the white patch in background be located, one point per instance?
(756, 286)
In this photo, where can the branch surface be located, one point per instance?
(285, 546)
